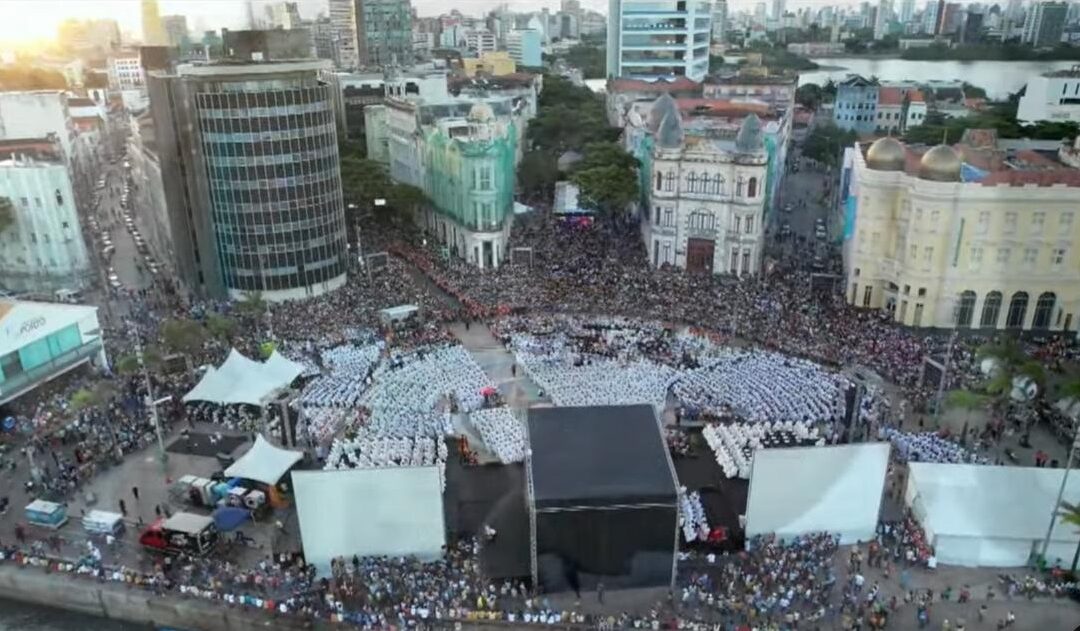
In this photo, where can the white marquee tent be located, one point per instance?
(396, 511)
(242, 380)
(979, 515)
(264, 463)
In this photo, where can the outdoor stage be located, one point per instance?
(495, 494)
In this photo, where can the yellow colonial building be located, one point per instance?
(983, 234)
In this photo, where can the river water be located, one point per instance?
(16, 616)
(998, 78)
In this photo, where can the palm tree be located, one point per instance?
(969, 402)
(1070, 514)
(1010, 363)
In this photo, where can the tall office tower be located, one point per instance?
(153, 33)
(343, 21)
(255, 203)
(907, 11)
(778, 9)
(719, 22)
(176, 29)
(649, 39)
(284, 15)
(1045, 23)
(882, 18)
(383, 32)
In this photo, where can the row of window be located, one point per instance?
(25, 201)
(1036, 221)
(705, 183)
(1018, 304)
(665, 217)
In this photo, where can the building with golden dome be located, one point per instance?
(981, 234)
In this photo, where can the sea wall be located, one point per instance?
(119, 602)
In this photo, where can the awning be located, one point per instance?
(242, 380)
(264, 463)
(229, 518)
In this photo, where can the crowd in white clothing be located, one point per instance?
(755, 385)
(345, 378)
(733, 445)
(503, 434)
(695, 525)
(367, 450)
(928, 447)
(320, 425)
(412, 393)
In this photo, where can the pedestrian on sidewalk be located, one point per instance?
(135, 492)
(123, 508)
(600, 593)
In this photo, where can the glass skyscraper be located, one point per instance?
(260, 205)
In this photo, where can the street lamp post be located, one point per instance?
(162, 456)
(1061, 493)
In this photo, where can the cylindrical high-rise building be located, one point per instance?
(259, 201)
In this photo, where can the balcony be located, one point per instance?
(23, 382)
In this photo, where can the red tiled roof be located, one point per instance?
(718, 107)
(1068, 177)
(1035, 158)
(890, 96)
(895, 96)
(660, 85)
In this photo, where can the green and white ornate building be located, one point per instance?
(462, 153)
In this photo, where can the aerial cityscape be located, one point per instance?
(579, 314)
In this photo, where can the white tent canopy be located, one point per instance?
(241, 380)
(264, 463)
(979, 515)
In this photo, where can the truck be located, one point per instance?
(185, 533)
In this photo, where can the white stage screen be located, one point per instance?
(817, 489)
(369, 512)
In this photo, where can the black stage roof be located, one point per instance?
(598, 456)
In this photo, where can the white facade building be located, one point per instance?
(650, 39)
(43, 248)
(524, 47)
(1053, 96)
(719, 23)
(126, 73)
(480, 41)
(36, 115)
(707, 195)
(343, 25)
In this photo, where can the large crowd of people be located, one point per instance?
(592, 323)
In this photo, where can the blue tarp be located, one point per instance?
(229, 518)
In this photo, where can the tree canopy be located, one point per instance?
(607, 177)
(25, 77)
(537, 174)
(182, 335)
(568, 117)
(590, 59)
(826, 141)
(1001, 117)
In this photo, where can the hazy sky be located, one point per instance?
(25, 20)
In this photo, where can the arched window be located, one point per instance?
(718, 185)
(1044, 309)
(966, 310)
(703, 186)
(691, 182)
(659, 180)
(669, 181)
(752, 189)
(739, 186)
(991, 310)
(1017, 310)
